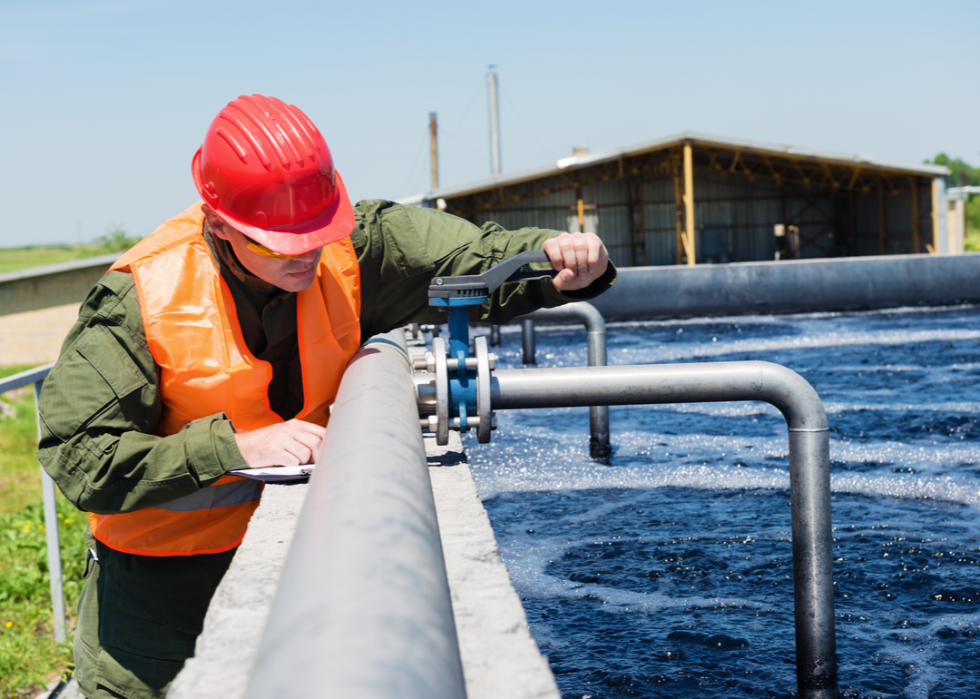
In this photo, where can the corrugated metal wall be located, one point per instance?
(735, 219)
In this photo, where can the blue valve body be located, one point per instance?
(462, 383)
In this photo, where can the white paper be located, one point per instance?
(276, 473)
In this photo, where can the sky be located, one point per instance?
(106, 101)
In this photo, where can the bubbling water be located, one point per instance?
(668, 572)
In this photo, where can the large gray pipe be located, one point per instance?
(842, 283)
(809, 466)
(363, 607)
(595, 328)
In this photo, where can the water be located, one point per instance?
(668, 572)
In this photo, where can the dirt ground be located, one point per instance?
(35, 338)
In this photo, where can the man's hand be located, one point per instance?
(291, 443)
(579, 258)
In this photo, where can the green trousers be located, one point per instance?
(138, 620)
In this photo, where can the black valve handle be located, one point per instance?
(485, 284)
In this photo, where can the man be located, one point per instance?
(218, 343)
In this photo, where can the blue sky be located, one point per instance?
(105, 101)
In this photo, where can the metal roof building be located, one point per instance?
(693, 198)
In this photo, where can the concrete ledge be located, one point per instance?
(832, 284)
(500, 659)
(52, 285)
(238, 611)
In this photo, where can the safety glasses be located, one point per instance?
(260, 249)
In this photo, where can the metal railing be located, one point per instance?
(363, 607)
(37, 376)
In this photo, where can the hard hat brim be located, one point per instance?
(334, 223)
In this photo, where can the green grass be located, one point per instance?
(14, 259)
(20, 479)
(29, 656)
(971, 243)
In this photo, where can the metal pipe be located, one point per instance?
(834, 284)
(528, 341)
(809, 465)
(595, 327)
(434, 149)
(495, 336)
(494, 125)
(52, 535)
(363, 607)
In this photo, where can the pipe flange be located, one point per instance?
(482, 389)
(442, 391)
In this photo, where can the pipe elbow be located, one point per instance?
(582, 311)
(795, 398)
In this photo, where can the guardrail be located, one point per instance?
(363, 607)
(37, 376)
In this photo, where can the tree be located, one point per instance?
(116, 239)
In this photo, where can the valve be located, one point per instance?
(462, 382)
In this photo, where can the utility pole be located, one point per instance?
(494, 124)
(434, 149)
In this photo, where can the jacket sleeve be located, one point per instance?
(401, 248)
(99, 409)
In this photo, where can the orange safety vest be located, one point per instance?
(205, 368)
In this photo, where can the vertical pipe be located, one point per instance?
(527, 337)
(495, 336)
(52, 537)
(852, 215)
(813, 596)
(915, 214)
(580, 206)
(494, 125)
(881, 216)
(599, 446)
(689, 205)
(595, 326)
(434, 149)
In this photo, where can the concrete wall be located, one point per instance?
(852, 283)
(52, 285)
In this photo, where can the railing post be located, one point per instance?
(52, 534)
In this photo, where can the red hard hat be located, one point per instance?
(265, 170)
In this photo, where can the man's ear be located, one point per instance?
(216, 224)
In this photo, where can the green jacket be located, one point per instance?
(101, 403)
